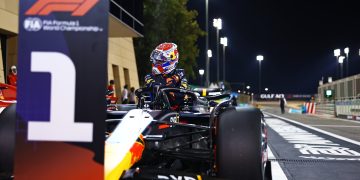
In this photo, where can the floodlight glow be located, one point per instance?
(217, 23)
(341, 59)
(224, 41)
(346, 50)
(337, 52)
(209, 53)
(247, 87)
(259, 57)
(266, 89)
(201, 72)
(329, 79)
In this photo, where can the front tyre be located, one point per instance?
(241, 145)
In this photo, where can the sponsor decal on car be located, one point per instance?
(175, 177)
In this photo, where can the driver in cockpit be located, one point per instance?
(164, 59)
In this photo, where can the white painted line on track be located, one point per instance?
(1, 109)
(316, 129)
(276, 171)
(335, 119)
(323, 125)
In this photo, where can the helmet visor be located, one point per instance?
(158, 57)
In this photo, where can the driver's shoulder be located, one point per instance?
(180, 72)
(148, 76)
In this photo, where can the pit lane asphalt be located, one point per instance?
(342, 127)
(305, 147)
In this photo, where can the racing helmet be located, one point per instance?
(164, 58)
(13, 69)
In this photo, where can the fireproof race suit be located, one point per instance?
(175, 79)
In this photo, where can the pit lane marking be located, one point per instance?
(335, 119)
(323, 125)
(309, 144)
(316, 129)
(277, 172)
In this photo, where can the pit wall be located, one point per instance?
(348, 109)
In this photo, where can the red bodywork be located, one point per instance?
(7, 95)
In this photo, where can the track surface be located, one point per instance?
(302, 152)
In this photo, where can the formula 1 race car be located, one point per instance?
(172, 134)
(175, 134)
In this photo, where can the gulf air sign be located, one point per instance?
(272, 96)
(76, 7)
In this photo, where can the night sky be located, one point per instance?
(296, 38)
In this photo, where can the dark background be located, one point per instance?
(296, 38)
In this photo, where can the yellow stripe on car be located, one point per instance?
(203, 92)
(114, 167)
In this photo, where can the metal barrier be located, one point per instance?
(348, 107)
(327, 108)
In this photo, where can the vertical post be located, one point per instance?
(259, 78)
(217, 55)
(341, 70)
(207, 81)
(337, 69)
(341, 61)
(201, 79)
(347, 65)
(224, 63)
(346, 50)
(337, 53)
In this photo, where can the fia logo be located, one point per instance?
(32, 24)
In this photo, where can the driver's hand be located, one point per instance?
(169, 81)
(172, 96)
(172, 80)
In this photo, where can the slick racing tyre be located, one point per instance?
(239, 152)
(7, 140)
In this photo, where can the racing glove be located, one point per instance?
(172, 81)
